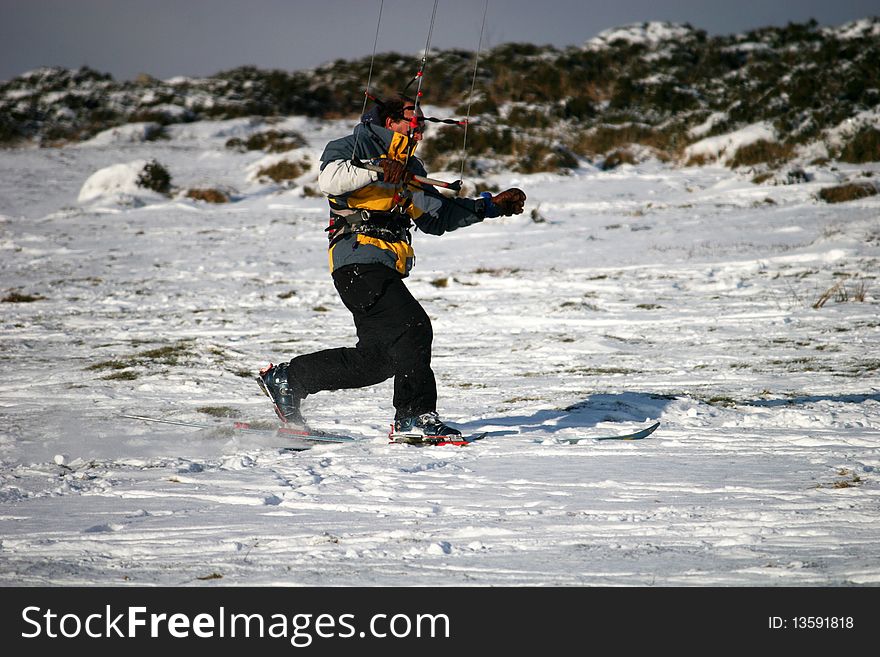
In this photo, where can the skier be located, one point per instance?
(371, 215)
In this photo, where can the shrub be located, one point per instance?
(579, 107)
(154, 176)
(271, 141)
(607, 138)
(443, 149)
(539, 156)
(11, 132)
(618, 157)
(18, 297)
(697, 160)
(759, 152)
(847, 192)
(208, 195)
(283, 170)
(155, 132)
(528, 117)
(863, 147)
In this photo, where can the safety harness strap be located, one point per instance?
(388, 226)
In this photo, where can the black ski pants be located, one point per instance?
(394, 340)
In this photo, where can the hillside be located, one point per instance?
(802, 94)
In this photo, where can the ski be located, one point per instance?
(635, 435)
(302, 438)
(317, 435)
(306, 434)
(461, 441)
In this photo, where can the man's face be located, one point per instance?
(402, 125)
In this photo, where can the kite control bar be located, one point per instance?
(452, 186)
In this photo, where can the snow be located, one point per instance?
(724, 147)
(117, 183)
(706, 126)
(650, 292)
(859, 29)
(647, 33)
(847, 128)
(129, 132)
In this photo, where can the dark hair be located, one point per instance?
(393, 109)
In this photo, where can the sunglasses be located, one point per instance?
(419, 121)
(420, 127)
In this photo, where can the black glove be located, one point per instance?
(394, 172)
(506, 203)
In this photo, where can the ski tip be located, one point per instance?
(262, 385)
(635, 435)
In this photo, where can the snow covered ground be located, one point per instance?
(683, 295)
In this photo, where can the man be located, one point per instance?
(371, 215)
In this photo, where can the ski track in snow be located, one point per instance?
(647, 293)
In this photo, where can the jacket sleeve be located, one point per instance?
(440, 214)
(341, 177)
(338, 175)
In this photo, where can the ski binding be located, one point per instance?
(421, 440)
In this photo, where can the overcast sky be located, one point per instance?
(165, 38)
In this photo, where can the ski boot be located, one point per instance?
(425, 429)
(273, 382)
